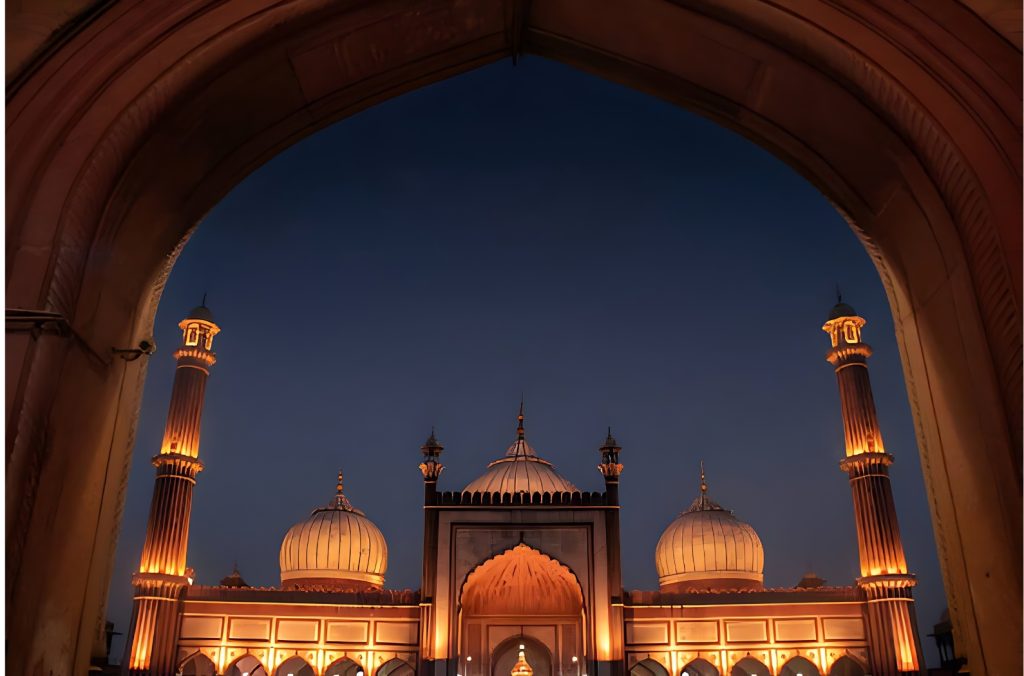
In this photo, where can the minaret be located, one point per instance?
(892, 623)
(431, 469)
(611, 469)
(163, 575)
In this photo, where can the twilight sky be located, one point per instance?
(528, 229)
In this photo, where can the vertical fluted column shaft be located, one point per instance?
(177, 465)
(891, 614)
(878, 531)
(153, 632)
(860, 421)
(883, 566)
(170, 513)
(163, 573)
(181, 433)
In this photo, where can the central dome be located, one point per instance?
(337, 549)
(521, 470)
(707, 548)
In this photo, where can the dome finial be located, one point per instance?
(520, 431)
(703, 503)
(340, 501)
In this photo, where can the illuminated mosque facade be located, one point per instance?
(521, 573)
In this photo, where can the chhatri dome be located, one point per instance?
(521, 470)
(337, 548)
(707, 548)
(201, 313)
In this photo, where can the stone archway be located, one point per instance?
(197, 664)
(700, 667)
(749, 666)
(799, 666)
(130, 122)
(246, 664)
(505, 655)
(524, 588)
(846, 666)
(344, 666)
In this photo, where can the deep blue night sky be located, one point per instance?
(536, 230)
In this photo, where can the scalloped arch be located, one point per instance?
(522, 580)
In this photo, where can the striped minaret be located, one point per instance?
(892, 622)
(162, 574)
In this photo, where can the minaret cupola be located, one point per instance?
(198, 328)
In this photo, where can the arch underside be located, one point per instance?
(136, 122)
(521, 582)
(521, 587)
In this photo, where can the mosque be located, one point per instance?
(521, 572)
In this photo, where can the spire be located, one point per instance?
(703, 503)
(432, 447)
(840, 309)
(203, 304)
(610, 443)
(519, 447)
(340, 501)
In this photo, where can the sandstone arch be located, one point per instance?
(197, 664)
(521, 581)
(908, 119)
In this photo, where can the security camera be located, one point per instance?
(146, 347)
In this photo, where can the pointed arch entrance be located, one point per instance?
(521, 597)
(131, 121)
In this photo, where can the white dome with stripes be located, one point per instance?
(337, 548)
(521, 470)
(708, 548)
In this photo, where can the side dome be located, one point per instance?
(336, 549)
(707, 548)
(521, 470)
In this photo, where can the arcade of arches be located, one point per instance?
(126, 122)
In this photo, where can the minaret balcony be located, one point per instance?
(860, 462)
